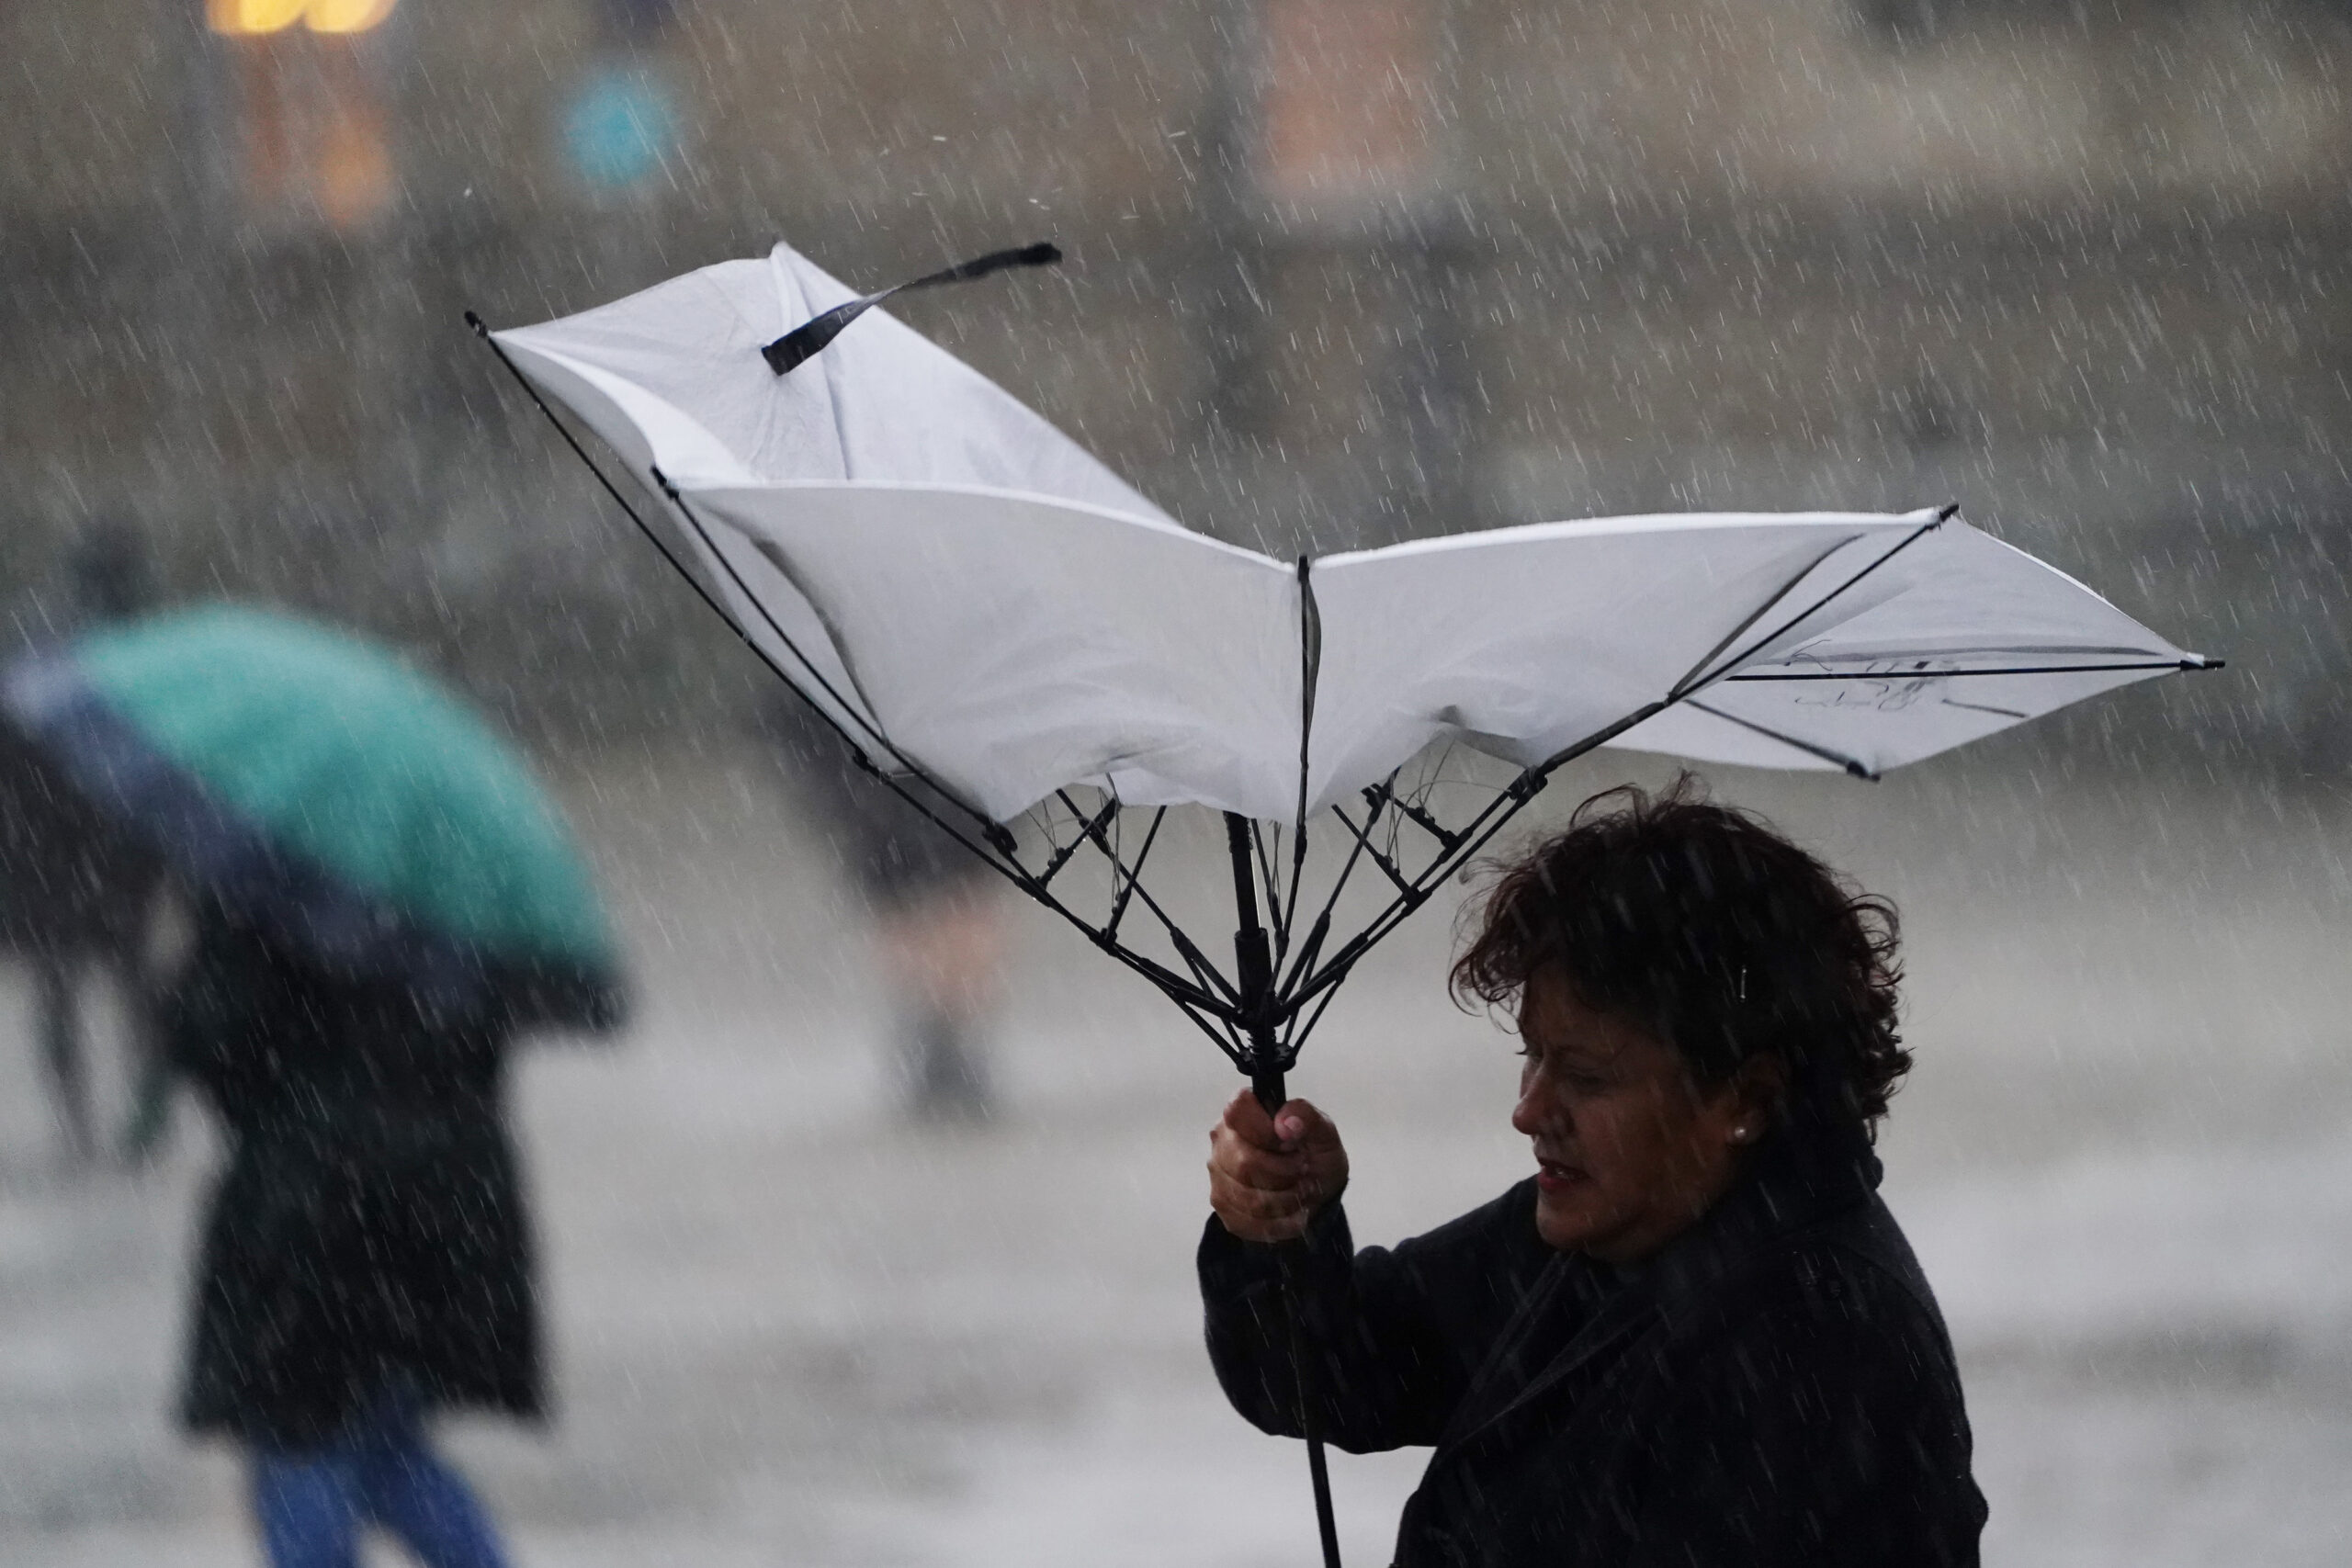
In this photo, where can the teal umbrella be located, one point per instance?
(319, 787)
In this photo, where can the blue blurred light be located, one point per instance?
(622, 123)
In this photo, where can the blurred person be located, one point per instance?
(367, 1258)
(72, 890)
(937, 922)
(379, 898)
(80, 903)
(1696, 1335)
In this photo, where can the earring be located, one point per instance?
(1743, 1133)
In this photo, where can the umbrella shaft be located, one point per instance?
(1255, 968)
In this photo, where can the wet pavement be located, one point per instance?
(790, 1328)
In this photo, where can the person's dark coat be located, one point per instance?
(368, 1234)
(1775, 1387)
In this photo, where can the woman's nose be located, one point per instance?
(1535, 1110)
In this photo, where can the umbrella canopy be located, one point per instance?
(971, 595)
(318, 786)
(974, 600)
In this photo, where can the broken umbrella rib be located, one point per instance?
(1062, 856)
(1375, 794)
(2166, 666)
(1405, 887)
(1491, 819)
(1184, 945)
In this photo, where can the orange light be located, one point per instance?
(246, 18)
(251, 19)
(346, 15)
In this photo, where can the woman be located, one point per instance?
(367, 1259)
(1695, 1336)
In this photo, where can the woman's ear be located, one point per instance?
(1757, 1089)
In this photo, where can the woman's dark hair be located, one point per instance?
(1711, 930)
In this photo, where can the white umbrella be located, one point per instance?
(976, 601)
(974, 596)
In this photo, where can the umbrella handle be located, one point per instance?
(1255, 970)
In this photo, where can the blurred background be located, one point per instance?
(1341, 271)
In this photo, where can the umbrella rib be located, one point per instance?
(1202, 968)
(1491, 819)
(1310, 670)
(1418, 815)
(1309, 949)
(1859, 768)
(2178, 665)
(1221, 1035)
(1062, 855)
(1134, 873)
(1690, 686)
(1323, 919)
(1296, 1042)
(1274, 896)
(481, 331)
(1361, 837)
(1762, 610)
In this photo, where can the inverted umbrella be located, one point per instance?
(979, 604)
(320, 788)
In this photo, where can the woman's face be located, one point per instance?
(1629, 1150)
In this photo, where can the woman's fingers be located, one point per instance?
(1248, 1121)
(1265, 1173)
(1302, 1127)
(1268, 1173)
(1255, 1215)
(1255, 1203)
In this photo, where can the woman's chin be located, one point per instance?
(1567, 1220)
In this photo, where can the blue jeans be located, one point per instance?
(311, 1504)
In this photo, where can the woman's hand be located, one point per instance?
(1267, 1174)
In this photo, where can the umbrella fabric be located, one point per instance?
(970, 594)
(320, 788)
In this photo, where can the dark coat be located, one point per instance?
(370, 1229)
(1774, 1388)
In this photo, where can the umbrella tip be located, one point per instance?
(1947, 512)
(482, 329)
